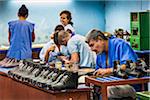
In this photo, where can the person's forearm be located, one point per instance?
(46, 57)
(9, 35)
(75, 58)
(33, 36)
(109, 70)
(47, 52)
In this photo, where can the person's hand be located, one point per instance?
(102, 71)
(63, 58)
(67, 61)
(52, 35)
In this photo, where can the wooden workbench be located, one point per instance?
(13, 90)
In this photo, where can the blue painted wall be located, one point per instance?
(117, 13)
(106, 15)
(86, 15)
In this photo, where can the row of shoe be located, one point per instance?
(9, 62)
(44, 77)
(138, 69)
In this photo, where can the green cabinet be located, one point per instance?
(139, 27)
(137, 42)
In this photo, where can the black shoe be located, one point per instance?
(11, 74)
(62, 73)
(118, 72)
(35, 74)
(68, 81)
(50, 78)
(121, 74)
(136, 74)
(58, 79)
(137, 70)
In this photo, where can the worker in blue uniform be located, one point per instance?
(109, 50)
(21, 36)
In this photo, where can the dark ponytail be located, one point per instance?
(23, 11)
(71, 23)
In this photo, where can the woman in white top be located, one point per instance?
(65, 19)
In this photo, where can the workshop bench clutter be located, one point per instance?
(134, 74)
(44, 77)
(55, 80)
(38, 80)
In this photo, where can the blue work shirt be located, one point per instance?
(21, 39)
(118, 49)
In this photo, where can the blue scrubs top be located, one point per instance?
(118, 50)
(20, 40)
